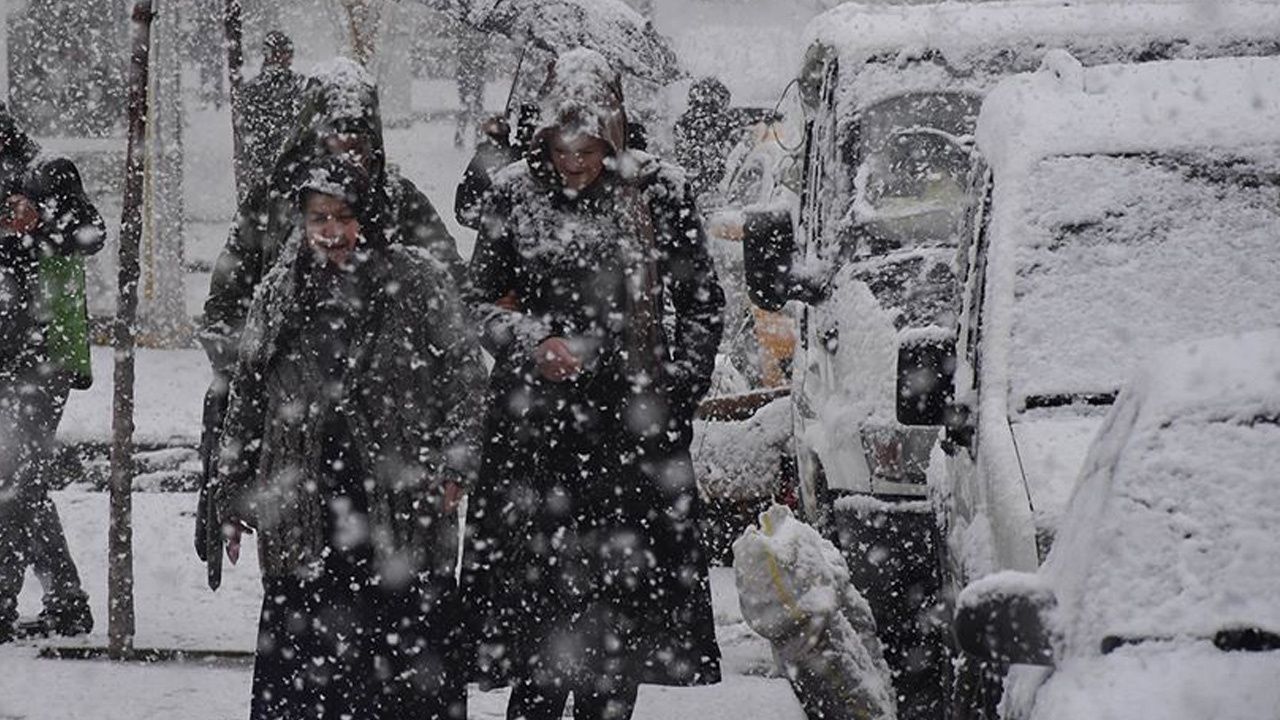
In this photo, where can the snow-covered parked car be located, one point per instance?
(891, 96)
(1123, 208)
(1160, 597)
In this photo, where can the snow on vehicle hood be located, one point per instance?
(1171, 532)
(1192, 681)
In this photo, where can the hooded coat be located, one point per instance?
(586, 556)
(704, 134)
(69, 225)
(406, 399)
(272, 102)
(340, 98)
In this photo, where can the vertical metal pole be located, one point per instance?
(234, 28)
(120, 619)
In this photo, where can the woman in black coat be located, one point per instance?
(350, 435)
(601, 307)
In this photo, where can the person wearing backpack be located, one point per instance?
(47, 226)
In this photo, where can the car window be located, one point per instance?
(917, 287)
(911, 169)
(1119, 255)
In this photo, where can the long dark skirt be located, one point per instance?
(340, 646)
(345, 643)
(586, 566)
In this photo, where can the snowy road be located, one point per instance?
(176, 610)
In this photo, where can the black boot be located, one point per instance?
(68, 616)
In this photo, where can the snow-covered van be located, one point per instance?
(1159, 597)
(1122, 208)
(891, 96)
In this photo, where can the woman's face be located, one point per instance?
(579, 159)
(331, 227)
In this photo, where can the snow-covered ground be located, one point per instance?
(176, 610)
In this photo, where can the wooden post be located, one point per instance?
(234, 28)
(120, 619)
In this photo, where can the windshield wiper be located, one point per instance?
(1064, 399)
(1248, 639)
(1238, 639)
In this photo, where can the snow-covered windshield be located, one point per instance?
(1187, 545)
(913, 162)
(1118, 255)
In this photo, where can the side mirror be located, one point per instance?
(926, 380)
(1005, 618)
(768, 255)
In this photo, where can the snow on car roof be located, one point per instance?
(858, 32)
(971, 46)
(1066, 109)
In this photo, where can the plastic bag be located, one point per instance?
(62, 297)
(793, 586)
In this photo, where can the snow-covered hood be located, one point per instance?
(1053, 449)
(1187, 681)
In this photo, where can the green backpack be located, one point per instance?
(67, 331)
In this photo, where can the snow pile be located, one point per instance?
(738, 460)
(1171, 533)
(794, 589)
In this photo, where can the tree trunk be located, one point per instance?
(233, 27)
(120, 620)
(163, 300)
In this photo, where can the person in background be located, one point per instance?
(495, 150)
(704, 134)
(600, 306)
(271, 104)
(45, 217)
(351, 433)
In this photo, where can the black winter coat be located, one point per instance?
(586, 556)
(406, 393)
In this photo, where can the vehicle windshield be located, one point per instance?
(1185, 543)
(913, 161)
(1119, 255)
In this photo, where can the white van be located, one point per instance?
(1123, 208)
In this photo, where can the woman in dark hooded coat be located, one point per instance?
(601, 307)
(339, 117)
(350, 434)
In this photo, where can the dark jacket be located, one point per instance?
(407, 398)
(272, 104)
(585, 513)
(342, 99)
(704, 135)
(69, 224)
